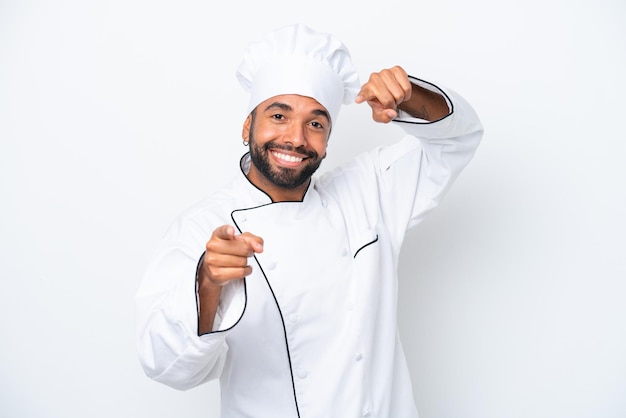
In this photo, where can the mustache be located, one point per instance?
(291, 148)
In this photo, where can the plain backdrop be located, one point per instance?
(116, 115)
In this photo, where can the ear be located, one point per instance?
(245, 132)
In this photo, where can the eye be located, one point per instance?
(278, 116)
(317, 125)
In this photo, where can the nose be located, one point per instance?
(295, 135)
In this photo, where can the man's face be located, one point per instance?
(288, 135)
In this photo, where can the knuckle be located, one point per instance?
(210, 258)
(211, 274)
(388, 101)
(210, 245)
(399, 71)
(218, 275)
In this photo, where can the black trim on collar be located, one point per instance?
(280, 312)
(366, 245)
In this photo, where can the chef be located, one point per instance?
(284, 285)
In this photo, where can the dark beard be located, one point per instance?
(286, 178)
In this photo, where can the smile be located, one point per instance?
(287, 158)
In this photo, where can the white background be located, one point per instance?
(117, 115)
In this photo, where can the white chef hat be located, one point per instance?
(298, 60)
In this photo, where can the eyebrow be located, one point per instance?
(285, 107)
(279, 105)
(322, 112)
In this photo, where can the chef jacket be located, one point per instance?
(312, 332)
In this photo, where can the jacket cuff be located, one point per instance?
(407, 118)
(231, 306)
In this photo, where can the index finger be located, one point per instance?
(224, 232)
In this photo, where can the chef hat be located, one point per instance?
(299, 60)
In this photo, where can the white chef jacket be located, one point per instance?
(312, 332)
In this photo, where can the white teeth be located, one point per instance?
(288, 158)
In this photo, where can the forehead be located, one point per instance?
(292, 102)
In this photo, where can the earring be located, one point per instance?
(245, 143)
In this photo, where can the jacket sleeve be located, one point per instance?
(170, 350)
(414, 175)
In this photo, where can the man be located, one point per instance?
(282, 285)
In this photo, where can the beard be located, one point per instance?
(287, 178)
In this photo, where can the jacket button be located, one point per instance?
(302, 374)
(344, 252)
(271, 265)
(359, 356)
(293, 317)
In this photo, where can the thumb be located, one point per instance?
(382, 115)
